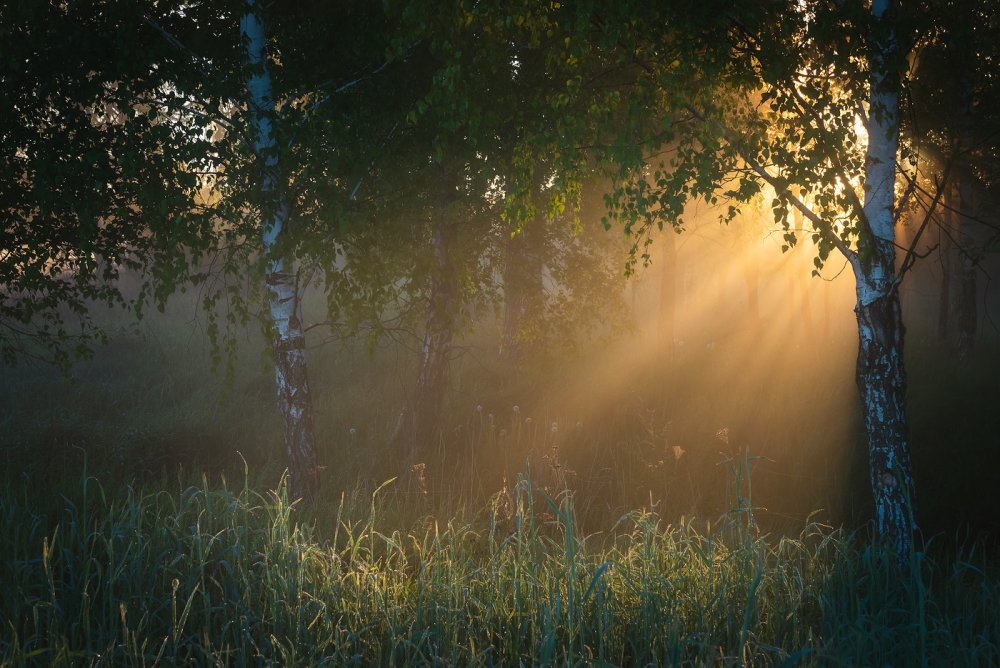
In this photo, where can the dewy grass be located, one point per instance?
(207, 575)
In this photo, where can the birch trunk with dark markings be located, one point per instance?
(881, 380)
(281, 281)
(880, 374)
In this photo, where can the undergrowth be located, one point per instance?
(212, 575)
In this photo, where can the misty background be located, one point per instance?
(718, 354)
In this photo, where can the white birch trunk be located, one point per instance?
(288, 338)
(880, 373)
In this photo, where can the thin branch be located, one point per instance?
(371, 167)
(910, 188)
(344, 86)
(948, 207)
(350, 84)
(783, 188)
(961, 248)
(222, 120)
(911, 256)
(203, 63)
(833, 155)
(860, 111)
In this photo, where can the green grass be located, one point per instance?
(209, 574)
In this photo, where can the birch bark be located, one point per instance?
(880, 373)
(281, 282)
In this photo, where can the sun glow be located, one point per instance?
(734, 330)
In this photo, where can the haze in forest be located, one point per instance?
(718, 356)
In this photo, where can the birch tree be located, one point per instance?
(788, 100)
(281, 278)
(154, 138)
(315, 133)
(798, 101)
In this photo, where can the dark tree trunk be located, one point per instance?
(522, 291)
(799, 287)
(957, 309)
(946, 252)
(424, 414)
(827, 290)
(668, 294)
(965, 315)
(966, 321)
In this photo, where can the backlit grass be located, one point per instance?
(209, 574)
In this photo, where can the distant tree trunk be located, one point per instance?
(957, 309)
(633, 293)
(432, 380)
(880, 373)
(522, 290)
(281, 283)
(799, 288)
(946, 253)
(668, 293)
(964, 312)
(751, 277)
(827, 289)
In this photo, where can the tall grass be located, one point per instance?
(208, 575)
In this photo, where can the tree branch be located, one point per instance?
(833, 155)
(201, 62)
(783, 188)
(911, 255)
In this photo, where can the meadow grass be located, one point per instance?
(214, 575)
